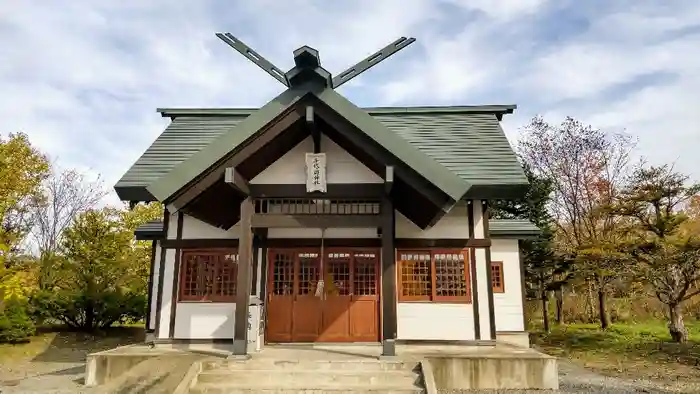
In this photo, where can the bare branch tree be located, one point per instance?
(587, 167)
(66, 194)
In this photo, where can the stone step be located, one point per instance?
(342, 378)
(309, 388)
(315, 365)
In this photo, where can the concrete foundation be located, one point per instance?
(518, 338)
(416, 367)
(104, 367)
(478, 373)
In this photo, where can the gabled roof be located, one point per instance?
(447, 181)
(467, 140)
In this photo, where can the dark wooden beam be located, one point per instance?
(313, 128)
(154, 245)
(442, 243)
(233, 178)
(245, 251)
(388, 179)
(202, 182)
(315, 221)
(388, 290)
(200, 243)
(450, 243)
(473, 276)
(333, 191)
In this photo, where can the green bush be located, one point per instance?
(15, 323)
(84, 311)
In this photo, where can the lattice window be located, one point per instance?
(440, 276)
(415, 276)
(450, 276)
(208, 275)
(365, 274)
(497, 276)
(309, 267)
(283, 274)
(337, 278)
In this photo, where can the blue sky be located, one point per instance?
(83, 78)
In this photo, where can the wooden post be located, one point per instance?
(245, 256)
(388, 270)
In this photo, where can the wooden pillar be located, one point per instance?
(482, 290)
(245, 259)
(473, 273)
(492, 308)
(388, 295)
(151, 271)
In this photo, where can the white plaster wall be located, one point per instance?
(204, 320)
(509, 304)
(431, 321)
(164, 327)
(154, 290)
(455, 224)
(341, 167)
(193, 228)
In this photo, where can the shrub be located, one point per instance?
(15, 323)
(77, 309)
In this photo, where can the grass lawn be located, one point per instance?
(56, 344)
(635, 350)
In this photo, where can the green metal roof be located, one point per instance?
(467, 140)
(192, 166)
(513, 228)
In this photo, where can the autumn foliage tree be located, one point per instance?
(102, 269)
(668, 258)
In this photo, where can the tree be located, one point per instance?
(22, 169)
(545, 271)
(668, 257)
(101, 279)
(586, 167)
(66, 194)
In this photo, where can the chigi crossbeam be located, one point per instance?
(307, 58)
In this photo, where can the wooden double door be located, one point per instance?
(329, 296)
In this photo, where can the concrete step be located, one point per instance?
(315, 365)
(342, 378)
(309, 388)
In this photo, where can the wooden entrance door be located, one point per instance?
(329, 298)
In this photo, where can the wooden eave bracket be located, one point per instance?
(233, 178)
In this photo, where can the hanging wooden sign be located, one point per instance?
(316, 172)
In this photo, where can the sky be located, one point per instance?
(83, 78)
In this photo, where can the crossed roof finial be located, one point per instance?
(307, 63)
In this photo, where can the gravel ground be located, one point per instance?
(67, 378)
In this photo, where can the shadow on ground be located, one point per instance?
(73, 347)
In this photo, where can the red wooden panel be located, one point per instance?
(280, 296)
(307, 313)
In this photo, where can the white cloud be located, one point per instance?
(502, 9)
(83, 78)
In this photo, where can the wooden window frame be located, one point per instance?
(502, 287)
(433, 297)
(206, 298)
